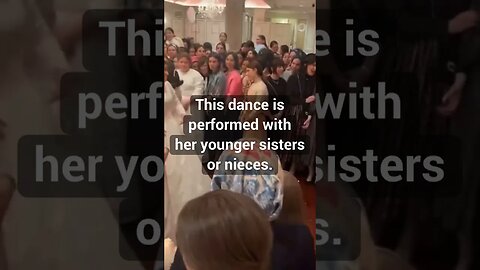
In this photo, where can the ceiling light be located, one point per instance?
(196, 3)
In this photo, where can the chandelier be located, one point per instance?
(210, 8)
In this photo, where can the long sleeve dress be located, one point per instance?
(184, 179)
(300, 86)
(192, 84)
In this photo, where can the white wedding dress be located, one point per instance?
(184, 179)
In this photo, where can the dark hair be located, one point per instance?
(221, 43)
(236, 65)
(219, 59)
(223, 33)
(277, 62)
(284, 49)
(188, 41)
(273, 43)
(299, 59)
(254, 52)
(184, 55)
(202, 61)
(169, 29)
(197, 46)
(309, 59)
(302, 67)
(265, 57)
(254, 64)
(250, 44)
(172, 45)
(298, 53)
(207, 46)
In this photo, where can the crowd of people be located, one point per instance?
(253, 72)
(214, 220)
(256, 72)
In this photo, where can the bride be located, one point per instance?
(184, 179)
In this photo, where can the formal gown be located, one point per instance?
(184, 179)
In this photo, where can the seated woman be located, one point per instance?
(293, 245)
(224, 230)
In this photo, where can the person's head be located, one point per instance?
(199, 50)
(172, 51)
(284, 49)
(296, 65)
(254, 70)
(222, 37)
(221, 48)
(274, 46)
(207, 46)
(244, 65)
(310, 65)
(244, 48)
(261, 39)
(240, 59)
(286, 59)
(250, 45)
(169, 33)
(224, 230)
(231, 61)
(184, 62)
(203, 66)
(292, 55)
(251, 54)
(214, 63)
(265, 57)
(277, 67)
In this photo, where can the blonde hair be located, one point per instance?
(224, 230)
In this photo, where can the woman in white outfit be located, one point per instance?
(192, 80)
(184, 179)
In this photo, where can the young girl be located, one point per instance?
(256, 92)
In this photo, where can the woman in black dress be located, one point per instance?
(277, 92)
(301, 87)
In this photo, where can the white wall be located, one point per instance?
(208, 29)
(293, 18)
(310, 36)
(202, 30)
(173, 18)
